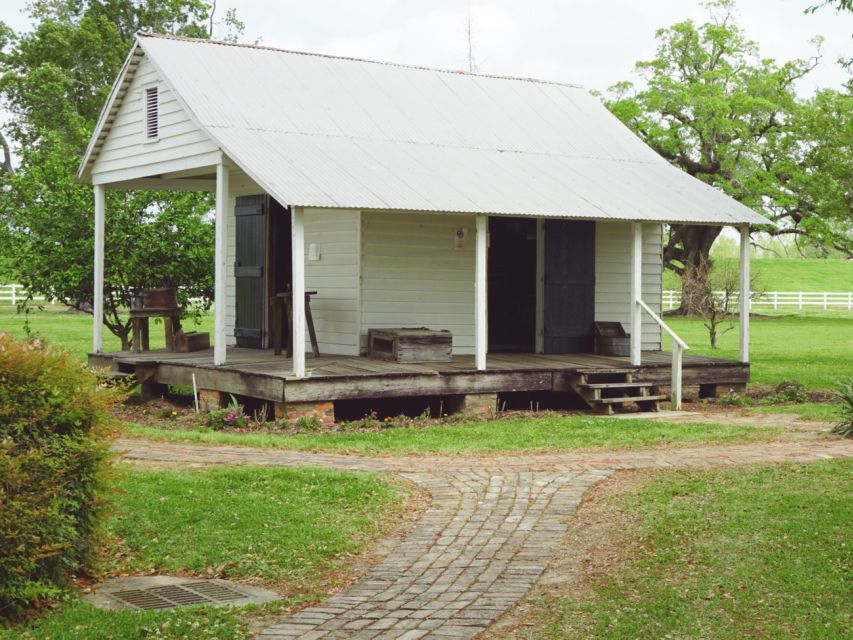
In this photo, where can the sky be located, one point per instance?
(589, 42)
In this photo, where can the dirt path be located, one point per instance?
(484, 541)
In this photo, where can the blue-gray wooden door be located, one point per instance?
(569, 291)
(249, 271)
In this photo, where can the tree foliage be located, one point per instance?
(839, 5)
(55, 80)
(714, 107)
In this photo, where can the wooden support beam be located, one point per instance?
(636, 292)
(744, 293)
(221, 263)
(480, 300)
(98, 298)
(297, 236)
(319, 389)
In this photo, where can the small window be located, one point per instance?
(152, 115)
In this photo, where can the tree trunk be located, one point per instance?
(689, 245)
(122, 332)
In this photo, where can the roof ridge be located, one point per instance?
(166, 36)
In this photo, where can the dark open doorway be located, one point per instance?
(279, 252)
(512, 284)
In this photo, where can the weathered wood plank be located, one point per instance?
(261, 374)
(732, 373)
(313, 389)
(236, 382)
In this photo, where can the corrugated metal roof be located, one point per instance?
(321, 131)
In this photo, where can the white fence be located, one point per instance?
(780, 299)
(14, 293)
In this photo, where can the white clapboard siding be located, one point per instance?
(414, 276)
(334, 277)
(126, 147)
(613, 276)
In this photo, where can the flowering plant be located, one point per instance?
(230, 416)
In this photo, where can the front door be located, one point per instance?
(249, 271)
(569, 286)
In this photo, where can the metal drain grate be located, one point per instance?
(178, 595)
(141, 599)
(215, 591)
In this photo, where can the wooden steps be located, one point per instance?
(606, 390)
(621, 399)
(120, 375)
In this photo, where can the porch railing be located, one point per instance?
(678, 345)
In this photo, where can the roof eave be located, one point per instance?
(84, 170)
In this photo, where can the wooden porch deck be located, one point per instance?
(263, 375)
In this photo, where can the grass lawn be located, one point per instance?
(292, 529)
(806, 274)
(545, 433)
(74, 330)
(819, 411)
(743, 553)
(816, 351)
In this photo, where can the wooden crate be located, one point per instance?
(409, 345)
(611, 339)
(191, 341)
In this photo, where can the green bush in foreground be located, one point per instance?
(845, 396)
(52, 458)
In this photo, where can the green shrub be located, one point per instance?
(309, 422)
(790, 391)
(845, 397)
(52, 461)
(231, 416)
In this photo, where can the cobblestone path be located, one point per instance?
(485, 539)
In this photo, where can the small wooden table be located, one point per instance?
(285, 299)
(139, 319)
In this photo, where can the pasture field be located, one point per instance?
(802, 274)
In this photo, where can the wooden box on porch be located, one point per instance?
(410, 345)
(611, 339)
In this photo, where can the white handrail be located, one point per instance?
(678, 345)
(663, 325)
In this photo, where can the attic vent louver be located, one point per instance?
(152, 116)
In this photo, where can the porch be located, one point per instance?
(261, 375)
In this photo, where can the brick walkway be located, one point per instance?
(485, 539)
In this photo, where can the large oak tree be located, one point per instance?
(712, 106)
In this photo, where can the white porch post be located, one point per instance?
(480, 317)
(636, 292)
(221, 264)
(98, 300)
(297, 222)
(744, 293)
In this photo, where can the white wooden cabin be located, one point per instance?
(512, 212)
